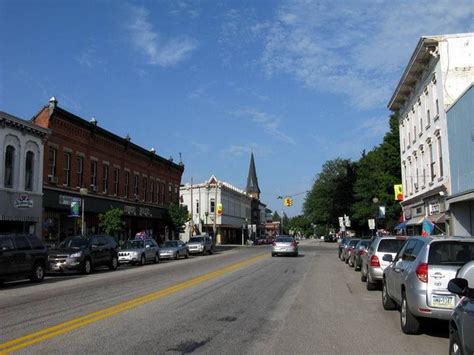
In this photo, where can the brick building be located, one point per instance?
(110, 171)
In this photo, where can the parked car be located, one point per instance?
(285, 245)
(372, 263)
(139, 251)
(22, 256)
(84, 254)
(173, 249)
(349, 250)
(359, 251)
(200, 244)
(417, 278)
(461, 324)
(342, 244)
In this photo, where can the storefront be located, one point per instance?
(59, 222)
(20, 213)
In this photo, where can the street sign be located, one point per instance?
(341, 221)
(347, 221)
(371, 223)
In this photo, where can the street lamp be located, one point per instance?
(375, 200)
(83, 191)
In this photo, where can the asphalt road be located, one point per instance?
(237, 301)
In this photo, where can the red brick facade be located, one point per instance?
(76, 140)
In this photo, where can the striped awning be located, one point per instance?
(415, 221)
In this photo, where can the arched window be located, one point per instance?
(29, 169)
(9, 165)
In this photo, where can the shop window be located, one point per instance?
(29, 166)
(80, 171)
(9, 166)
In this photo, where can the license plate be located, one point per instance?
(442, 301)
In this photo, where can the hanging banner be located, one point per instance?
(398, 190)
(75, 209)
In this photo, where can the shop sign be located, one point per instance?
(433, 208)
(137, 211)
(68, 200)
(23, 201)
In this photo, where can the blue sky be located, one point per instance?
(296, 82)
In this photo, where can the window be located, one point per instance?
(411, 177)
(105, 179)
(52, 162)
(428, 118)
(213, 205)
(423, 167)
(22, 243)
(80, 171)
(127, 179)
(417, 185)
(406, 180)
(421, 123)
(440, 154)
(116, 182)
(93, 175)
(437, 107)
(152, 191)
(170, 194)
(135, 186)
(197, 206)
(29, 165)
(9, 165)
(67, 169)
(432, 163)
(145, 187)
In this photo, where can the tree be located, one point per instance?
(111, 221)
(276, 217)
(177, 216)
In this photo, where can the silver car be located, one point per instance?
(139, 251)
(173, 249)
(200, 244)
(285, 245)
(417, 278)
(372, 262)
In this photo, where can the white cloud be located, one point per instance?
(245, 150)
(269, 123)
(157, 50)
(89, 58)
(357, 49)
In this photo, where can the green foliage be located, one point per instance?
(276, 217)
(176, 217)
(111, 221)
(300, 224)
(332, 193)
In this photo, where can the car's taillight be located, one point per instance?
(274, 244)
(374, 261)
(294, 244)
(361, 252)
(422, 272)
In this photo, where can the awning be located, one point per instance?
(402, 225)
(437, 218)
(415, 221)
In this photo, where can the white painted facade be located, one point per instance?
(439, 71)
(202, 201)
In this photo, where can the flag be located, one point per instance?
(398, 190)
(427, 228)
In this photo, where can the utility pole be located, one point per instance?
(215, 212)
(192, 214)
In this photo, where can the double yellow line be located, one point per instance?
(62, 328)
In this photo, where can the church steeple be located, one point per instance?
(252, 181)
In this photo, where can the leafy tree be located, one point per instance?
(300, 224)
(332, 193)
(112, 221)
(176, 217)
(276, 217)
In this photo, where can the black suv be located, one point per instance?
(83, 254)
(22, 256)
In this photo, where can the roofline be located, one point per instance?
(113, 136)
(460, 96)
(37, 129)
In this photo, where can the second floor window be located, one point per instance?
(105, 178)
(67, 169)
(93, 175)
(213, 205)
(440, 154)
(80, 171)
(9, 165)
(135, 186)
(152, 191)
(29, 166)
(145, 187)
(126, 182)
(116, 182)
(428, 117)
(52, 162)
(432, 163)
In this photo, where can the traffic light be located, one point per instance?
(288, 201)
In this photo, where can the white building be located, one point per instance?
(439, 71)
(21, 177)
(217, 205)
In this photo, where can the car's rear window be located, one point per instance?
(284, 240)
(390, 245)
(196, 240)
(451, 252)
(353, 242)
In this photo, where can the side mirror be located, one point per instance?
(387, 257)
(458, 286)
(147, 246)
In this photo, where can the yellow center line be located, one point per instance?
(65, 327)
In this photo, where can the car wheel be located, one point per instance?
(156, 260)
(387, 302)
(87, 267)
(371, 286)
(187, 255)
(356, 267)
(142, 260)
(210, 251)
(295, 254)
(351, 263)
(273, 254)
(113, 263)
(363, 275)
(37, 274)
(176, 256)
(454, 343)
(408, 322)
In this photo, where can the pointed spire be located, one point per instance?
(252, 181)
